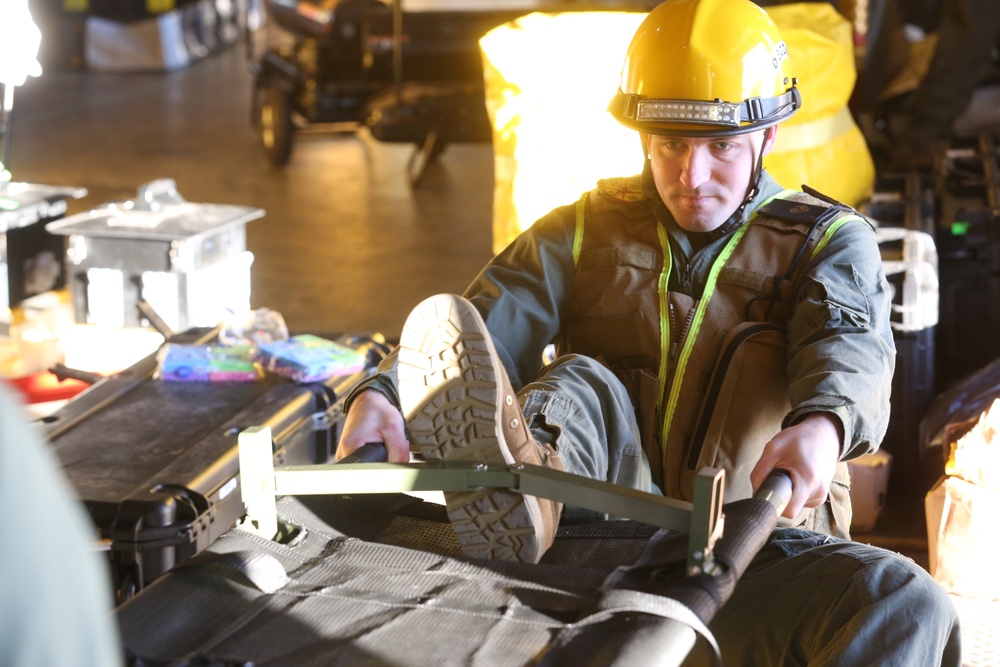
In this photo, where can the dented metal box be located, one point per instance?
(187, 260)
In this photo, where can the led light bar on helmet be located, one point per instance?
(709, 113)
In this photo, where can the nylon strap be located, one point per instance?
(624, 601)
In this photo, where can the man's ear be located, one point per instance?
(644, 138)
(770, 134)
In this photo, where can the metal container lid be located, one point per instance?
(22, 204)
(158, 212)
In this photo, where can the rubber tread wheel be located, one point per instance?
(276, 127)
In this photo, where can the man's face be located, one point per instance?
(703, 180)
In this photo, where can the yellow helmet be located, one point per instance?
(705, 68)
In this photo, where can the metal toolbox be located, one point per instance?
(188, 261)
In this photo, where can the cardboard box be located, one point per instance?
(869, 485)
(162, 36)
(962, 537)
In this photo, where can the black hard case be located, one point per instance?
(156, 463)
(969, 332)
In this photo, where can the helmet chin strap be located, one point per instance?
(754, 187)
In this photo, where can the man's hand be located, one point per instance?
(372, 418)
(809, 451)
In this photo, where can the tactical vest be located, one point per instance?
(707, 377)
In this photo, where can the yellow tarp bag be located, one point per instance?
(548, 80)
(549, 77)
(821, 145)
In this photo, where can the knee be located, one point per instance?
(900, 574)
(931, 597)
(900, 585)
(579, 370)
(939, 618)
(575, 363)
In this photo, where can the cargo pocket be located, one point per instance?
(614, 338)
(747, 399)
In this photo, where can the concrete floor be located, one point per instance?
(346, 244)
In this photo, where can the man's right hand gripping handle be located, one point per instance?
(372, 418)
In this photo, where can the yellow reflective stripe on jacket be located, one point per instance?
(837, 224)
(692, 334)
(664, 297)
(581, 211)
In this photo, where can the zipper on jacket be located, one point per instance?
(676, 346)
(698, 439)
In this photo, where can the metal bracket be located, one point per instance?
(707, 520)
(321, 421)
(261, 482)
(257, 481)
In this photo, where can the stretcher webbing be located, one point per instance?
(321, 596)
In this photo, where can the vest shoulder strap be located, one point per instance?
(794, 211)
(809, 207)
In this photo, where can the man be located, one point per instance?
(701, 316)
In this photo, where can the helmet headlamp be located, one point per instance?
(756, 111)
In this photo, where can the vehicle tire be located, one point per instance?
(275, 124)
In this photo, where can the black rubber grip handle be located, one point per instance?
(370, 452)
(776, 489)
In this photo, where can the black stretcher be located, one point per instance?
(361, 578)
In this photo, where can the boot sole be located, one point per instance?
(450, 395)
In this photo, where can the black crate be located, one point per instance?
(968, 334)
(967, 190)
(902, 200)
(912, 392)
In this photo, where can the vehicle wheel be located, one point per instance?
(275, 124)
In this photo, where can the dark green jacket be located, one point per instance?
(840, 347)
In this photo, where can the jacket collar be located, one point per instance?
(768, 187)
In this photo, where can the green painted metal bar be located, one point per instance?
(261, 482)
(612, 499)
